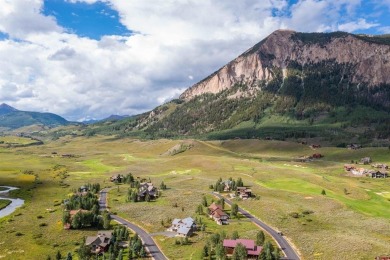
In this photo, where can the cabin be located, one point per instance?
(382, 257)
(366, 160)
(349, 167)
(117, 178)
(354, 146)
(378, 174)
(99, 243)
(317, 156)
(244, 192)
(72, 213)
(227, 185)
(183, 227)
(253, 251)
(216, 212)
(147, 188)
(380, 166)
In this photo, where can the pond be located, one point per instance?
(15, 203)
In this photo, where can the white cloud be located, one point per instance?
(360, 24)
(178, 43)
(19, 18)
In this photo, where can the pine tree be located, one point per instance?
(58, 255)
(260, 238)
(204, 202)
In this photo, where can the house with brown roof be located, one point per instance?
(349, 167)
(244, 192)
(252, 250)
(380, 166)
(117, 178)
(100, 242)
(72, 213)
(147, 188)
(216, 212)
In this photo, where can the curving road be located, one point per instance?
(146, 238)
(284, 245)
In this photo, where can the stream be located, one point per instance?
(15, 203)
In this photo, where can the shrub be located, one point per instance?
(294, 214)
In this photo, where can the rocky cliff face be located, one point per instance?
(368, 57)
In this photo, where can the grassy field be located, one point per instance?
(4, 203)
(350, 222)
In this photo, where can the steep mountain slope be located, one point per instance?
(289, 84)
(12, 118)
(5, 109)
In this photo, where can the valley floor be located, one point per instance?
(350, 222)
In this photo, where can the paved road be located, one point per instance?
(146, 238)
(285, 246)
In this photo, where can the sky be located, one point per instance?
(88, 59)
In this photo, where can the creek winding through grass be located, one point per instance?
(15, 203)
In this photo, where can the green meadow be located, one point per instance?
(350, 222)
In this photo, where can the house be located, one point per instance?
(354, 146)
(72, 213)
(252, 250)
(183, 227)
(147, 188)
(349, 167)
(227, 185)
(216, 212)
(382, 257)
(317, 156)
(100, 242)
(366, 160)
(117, 178)
(244, 192)
(358, 171)
(380, 165)
(378, 174)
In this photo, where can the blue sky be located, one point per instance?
(86, 20)
(86, 59)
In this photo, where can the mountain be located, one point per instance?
(5, 109)
(11, 118)
(110, 118)
(290, 84)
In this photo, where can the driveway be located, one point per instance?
(283, 243)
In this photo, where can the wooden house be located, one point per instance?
(244, 192)
(253, 251)
(216, 212)
(99, 243)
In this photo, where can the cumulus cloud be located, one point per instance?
(19, 18)
(175, 44)
(356, 25)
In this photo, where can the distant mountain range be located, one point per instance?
(11, 118)
(110, 118)
(290, 84)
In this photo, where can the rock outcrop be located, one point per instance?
(369, 58)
